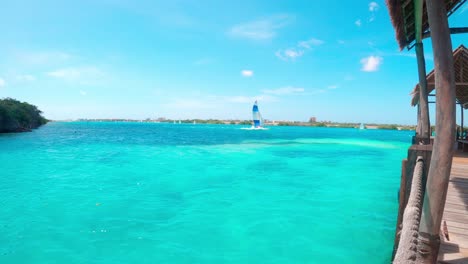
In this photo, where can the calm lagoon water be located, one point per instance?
(164, 193)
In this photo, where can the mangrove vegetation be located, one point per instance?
(16, 116)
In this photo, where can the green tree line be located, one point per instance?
(16, 116)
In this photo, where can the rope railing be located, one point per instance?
(408, 245)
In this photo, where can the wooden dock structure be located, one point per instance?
(433, 190)
(454, 250)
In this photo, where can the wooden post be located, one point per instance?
(425, 125)
(418, 126)
(423, 102)
(441, 163)
(461, 123)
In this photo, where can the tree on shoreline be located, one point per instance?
(16, 116)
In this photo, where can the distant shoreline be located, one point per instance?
(248, 122)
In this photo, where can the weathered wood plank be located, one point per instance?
(457, 224)
(456, 213)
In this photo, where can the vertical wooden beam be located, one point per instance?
(423, 100)
(441, 163)
(418, 126)
(424, 122)
(461, 123)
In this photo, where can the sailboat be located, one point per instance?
(362, 126)
(257, 120)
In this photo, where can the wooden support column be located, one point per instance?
(418, 126)
(423, 101)
(461, 123)
(424, 123)
(441, 163)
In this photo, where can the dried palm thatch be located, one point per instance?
(460, 61)
(403, 19)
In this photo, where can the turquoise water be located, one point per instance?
(165, 193)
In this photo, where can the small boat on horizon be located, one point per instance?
(362, 126)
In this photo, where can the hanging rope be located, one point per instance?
(408, 245)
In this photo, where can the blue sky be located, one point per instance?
(336, 61)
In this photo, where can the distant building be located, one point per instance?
(312, 119)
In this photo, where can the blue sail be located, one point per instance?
(256, 116)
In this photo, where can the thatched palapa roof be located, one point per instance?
(460, 63)
(403, 19)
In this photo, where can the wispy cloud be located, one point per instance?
(289, 54)
(261, 29)
(427, 56)
(299, 50)
(307, 44)
(74, 74)
(2, 83)
(341, 42)
(43, 57)
(247, 73)
(373, 6)
(83, 93)
(25, 78)
(284, 90)
(335, 86)
(371, 63)
(68, 73)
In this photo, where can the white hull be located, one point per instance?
(254, 128)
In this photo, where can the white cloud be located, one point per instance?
(341, 42)
(247, 73)
(261, 29)
(307, 44)
(299, 50)
(358, 22)
(371, 63)
(68, 73)
(289, 54)
(73, 74)
(83, 93)
(333, 86)
(2, 82)
(284, 90)
(25, 78)
(373, 6)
